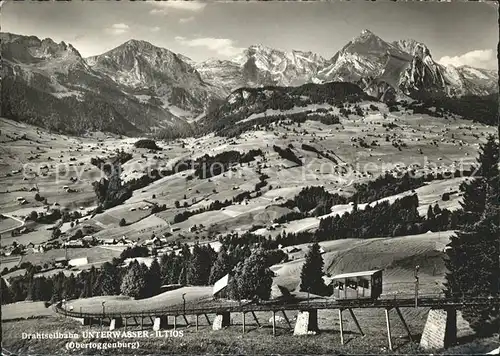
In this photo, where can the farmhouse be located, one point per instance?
(61, 262)
(74, 243)
(38, 249)
(89, 240)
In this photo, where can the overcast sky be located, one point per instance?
(456, 33)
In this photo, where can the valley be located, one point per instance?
(59, 169)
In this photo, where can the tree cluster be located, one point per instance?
(473, 255)
(210, 166)
(315, 200)
(287, 154)
(147, 143)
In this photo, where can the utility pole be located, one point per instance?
(416, 285)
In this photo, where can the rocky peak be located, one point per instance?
(412, 47)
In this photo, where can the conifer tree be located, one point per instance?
(154, 278)
(474, 192)
(182, 276)
(110, 280)
(473, 254)
(430, 213)
(166, 264)
(195, 267)
(87, 286)
(69, 287)
(221, 267)
(58, 287)
(312, 271)
(134, 281)
(6, 293)
(252, 278)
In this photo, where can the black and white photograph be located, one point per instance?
(249, 177)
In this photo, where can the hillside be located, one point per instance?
(52, 86)
(277, 167)
(154, 74)
(247, 107)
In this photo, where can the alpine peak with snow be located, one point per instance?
(137, 86)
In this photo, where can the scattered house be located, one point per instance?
(20, 198)
(61, 262)
(126, 241)
(89, 239)
(155, 241)
(174, 229)
(51, 244)
(74, 243)
(38, 249)
(78, 262)
(220, 287)
(109, 241)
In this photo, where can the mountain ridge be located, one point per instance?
(140, 87)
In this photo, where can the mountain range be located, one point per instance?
(138, 87)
